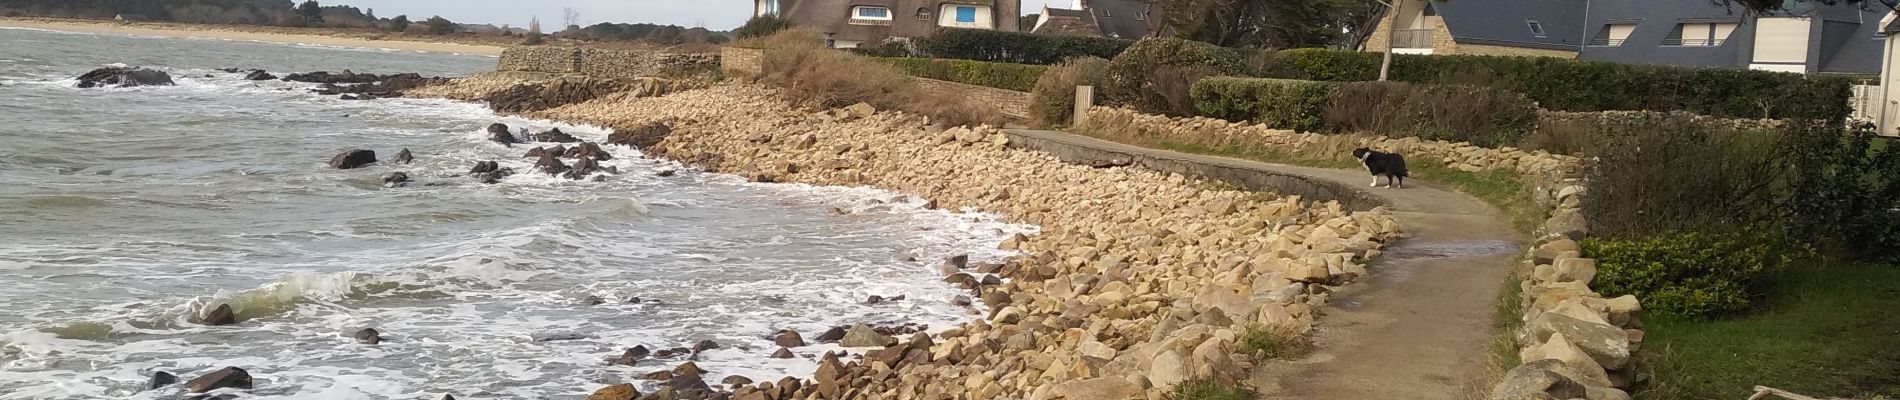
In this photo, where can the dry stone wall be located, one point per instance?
(1012, 104)
(1574, 342)
(600, 63)
(741, 62)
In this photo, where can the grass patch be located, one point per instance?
(1208, 390)
(1502, 189)
(1272, 344)
(1506, 320)
(1826, 330)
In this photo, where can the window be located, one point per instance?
(972, 16)
(871, 13)
(1537, 28)
(966, 14)
(1697, 34)
(767, 7)
(1613, 34)
(923, 13)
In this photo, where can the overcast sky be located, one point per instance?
(712, 14)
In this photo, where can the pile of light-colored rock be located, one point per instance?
(1137, 281)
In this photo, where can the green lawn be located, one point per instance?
(1828, 331)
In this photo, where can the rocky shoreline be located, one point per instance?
(1138, 282)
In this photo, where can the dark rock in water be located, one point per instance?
(494, 176)
(498, 133)
(677, 351)
(557, 151)
(612, 169)
(536, 152)
(550, 165)
(643, 136)
(448, 397)
(688, 369)
(220, 316)
(326, 77)
(624, 391)
(365, 84)
(124, 77)
(259, 75)
(666, 173)
(874, 299)
(960, 300)
(963, 280)
(835, 334)
(162, 379)
(369, 336)
(557, 336)
(633, 356)
(232, 70)
(959, 262)
(395, 179)
(485, 167)
(599, 178)
(229, 377)
(704, 345)
(764, 178)
(355, 158)
(736, 381)
(593, 301)
(688, 387)
(782, 353)
(991, 280)
(788, 339)
(555, 135)
(633, 300)
(403, 157)
(590, 150)
(358, 97)
(582, 169)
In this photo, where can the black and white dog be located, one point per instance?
(1389, 165)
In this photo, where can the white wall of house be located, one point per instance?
(764, 7)
(982, 17)
(1781, 44)
(1887, 108)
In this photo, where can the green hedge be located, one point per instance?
(1015, 47)
(1156, 75)
(1483, 116)
(1017, 77)
(1572, 85)
(1688, 275)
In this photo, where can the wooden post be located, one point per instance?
(1084, 98)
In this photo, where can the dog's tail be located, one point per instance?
(1402, 172)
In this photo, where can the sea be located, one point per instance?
(127, 213)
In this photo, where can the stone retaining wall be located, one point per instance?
(1307, 188)
(1010, 103)
(1574, 343)
(741, 62)
(1548, 118)
(605, 63)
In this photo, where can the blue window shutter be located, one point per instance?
(966, 14)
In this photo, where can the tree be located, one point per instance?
(371, 12)
(534, 32)
(570, 18)
(399, 24)
(310, 11)
(439, 26)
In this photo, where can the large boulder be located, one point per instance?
(162, 379)
(1560, 348)
(404, 157)
(229, 377)
(259, 75)
(590, 150)
(1550, 379)
(862, 335)
(124, 77)
(369, 336)
(550, 165)
(641, 137)
(1606, 344)
(355, 158)
(222, 315)
(1104, 388)
(499, 133)
(555, 135)
(789, 338)
(624, 391)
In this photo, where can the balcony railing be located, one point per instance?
(1606, 42)
(1692, 42)
(1412, 39)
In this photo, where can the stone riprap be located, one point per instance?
(1574, 343)
(1138, 280)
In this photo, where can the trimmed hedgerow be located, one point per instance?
(1482, 116)
(1017, 77)
(1015, 47)
(1573, 85)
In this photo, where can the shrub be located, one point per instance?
(889, 48)
(1483, 116)
(1279, 103)
(814, 76)
(1155, 75)
(762, 26)
(1271, 343)
(1689, 275)
(1017, 77)
(1843, 189)
(1052, 103)
(1572, 85)
(1015, 47)
(1660, 174)
(1208, 390)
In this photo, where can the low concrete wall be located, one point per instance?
(1076, 150)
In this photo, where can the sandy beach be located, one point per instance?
(260, 34)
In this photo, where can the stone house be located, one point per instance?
(1123, 19)
(1549, 28)
(851, 23)
(1805, 37)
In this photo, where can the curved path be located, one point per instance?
(1418, 328)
